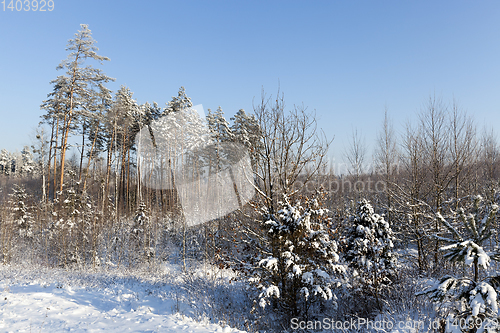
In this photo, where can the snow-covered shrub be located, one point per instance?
(470, 303)
(140, 234)
(301, 270)
(72, 229)
(370, 252)
(23, 220)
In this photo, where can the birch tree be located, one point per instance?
(292, 147)
(386, 160)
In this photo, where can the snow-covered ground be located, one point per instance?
(54, 300)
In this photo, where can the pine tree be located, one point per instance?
(140, 233)
(370, 251)
(76, 87)
(178, 103)
(247, 132)
(128, 119)
(151, 112)
(218, 126)
(54, 107)
(171, 154)
(102, 103)
(5, 162)
(471, 300)
(27, 166)
(223, 137)
(302, 267)
(72, 207)
(23, 220)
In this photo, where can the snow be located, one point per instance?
(304, 291)
(473, 251)
(478, 299)
(483, 258)
(272, 291)
(296, 270)
(55, 300)
(322, 274)
(269, 263)
(477, 304)
(308, 278)
(267, 293)
(318, 290)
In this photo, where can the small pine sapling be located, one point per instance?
(140, 233)
(370, 252)
(302, 269)
(22, 217)
(469, 303)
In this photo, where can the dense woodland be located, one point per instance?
(309, 242)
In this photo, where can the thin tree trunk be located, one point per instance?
(55, 161)
(122, 173)
(128, 180)
(68, 117)
(90, 158)
(476, 271)
(108, 165)
(64, 142)
(50, 160)
(81, 155)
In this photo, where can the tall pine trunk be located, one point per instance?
(50, 160)
(90, 157)
(82, 154)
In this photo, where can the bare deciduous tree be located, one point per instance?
(386, 160)
(292, 150)
(410, 191)
(463, 149)
(355, 155)
(491, 156)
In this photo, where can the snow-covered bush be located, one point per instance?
(23, 220)
(73, 226)
(301, 271)
(370, 252)
(140, 233)
(470, 303)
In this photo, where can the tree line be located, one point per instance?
(306, 248)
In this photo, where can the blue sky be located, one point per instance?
(347, 60)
